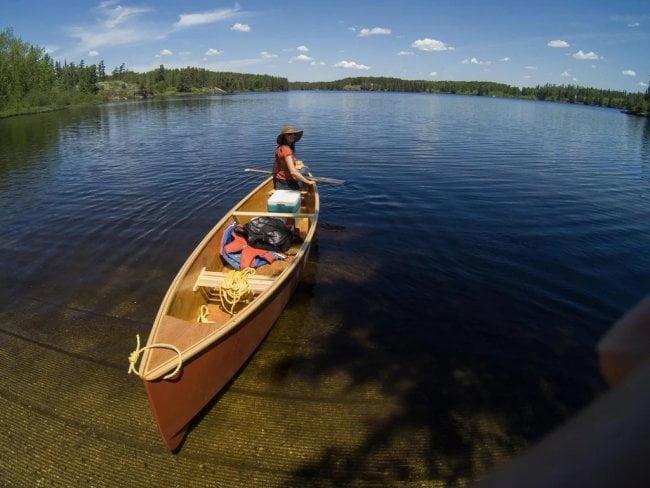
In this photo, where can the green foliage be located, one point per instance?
(633, 102)
(31, 81)
(486, 88)
(184, 80)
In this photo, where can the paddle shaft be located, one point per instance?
(318, 179)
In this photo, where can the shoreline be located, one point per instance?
(41, 110)
(46, 109)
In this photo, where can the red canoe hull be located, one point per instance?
(176, 402)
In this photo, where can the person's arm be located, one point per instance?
(295, 173)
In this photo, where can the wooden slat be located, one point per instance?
(223, 275)
(274, 214)
(212, 279)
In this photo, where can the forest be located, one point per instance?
(636, 103)
(31, 81)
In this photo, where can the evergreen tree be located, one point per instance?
(101, 70)
(160, 74)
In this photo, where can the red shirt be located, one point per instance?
(280, 168)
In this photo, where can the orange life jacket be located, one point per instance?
(248, 253)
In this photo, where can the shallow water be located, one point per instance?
(448, 315)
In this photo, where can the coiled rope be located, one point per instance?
(135, 356)
(235, 288)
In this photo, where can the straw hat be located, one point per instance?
(287, 129)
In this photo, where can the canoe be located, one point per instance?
(186, 362)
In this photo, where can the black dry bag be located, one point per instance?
(270, 233)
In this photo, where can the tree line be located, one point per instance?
(30, 80)
(186, 80)
(637, 103)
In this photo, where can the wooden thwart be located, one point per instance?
(213, 279)
(239, 213)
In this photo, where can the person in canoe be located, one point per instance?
(289, 173)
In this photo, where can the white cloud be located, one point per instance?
(351, 65)
(574, 78)
(629, 72)
(375, 31)
(209, 17)
(566, 74)
(584, 56)
(301, 57)
(165, 52)
(640, 83)
(50, 49)
(115, 26)
(352, 29)
(527, 77)
(505, 60)
(433, 73)
(268, 55)
(321, 63)
(427, 44)
(302, 49)
(405, 53)
(558, 43)
(241, 27)
(594, 66)
(530, 67)
(184, 53)
(119, 14)
(476, 61)
(634, 24)
(213, 52)
(92, 54)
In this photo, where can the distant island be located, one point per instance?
(31, 81)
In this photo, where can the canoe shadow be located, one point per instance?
(444, 402)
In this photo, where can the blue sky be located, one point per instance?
(594, 43)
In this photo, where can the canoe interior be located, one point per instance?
(177, 320)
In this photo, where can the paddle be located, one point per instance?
(319, 179)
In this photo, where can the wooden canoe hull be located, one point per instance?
(177, 401)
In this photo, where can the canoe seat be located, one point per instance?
(212, 279)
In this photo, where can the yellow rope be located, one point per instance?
(235, 288)
(135, 356)
(203, 315)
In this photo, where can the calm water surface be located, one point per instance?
(450, 309)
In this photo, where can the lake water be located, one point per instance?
(447, 319)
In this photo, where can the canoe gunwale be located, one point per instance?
(240, 318)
